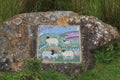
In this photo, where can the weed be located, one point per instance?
(108, 53)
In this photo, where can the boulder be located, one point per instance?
(18, 39)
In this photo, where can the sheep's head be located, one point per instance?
(47, 37)
(52, 52)
(64, 40)
(63, 50)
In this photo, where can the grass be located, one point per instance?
(103, 72)
(107, 67)
(107, 59)
(9, 8)
(106, 10)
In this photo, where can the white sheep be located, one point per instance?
(67, 54)
(49, 54)
(51, 41)
(54, 56)
(46, 54)
(66, 42)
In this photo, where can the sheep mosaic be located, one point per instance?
(52, 41)
(67, 54)
(59, 44)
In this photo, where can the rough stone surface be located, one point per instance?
(18, 37)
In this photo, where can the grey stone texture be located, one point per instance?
(18, 39)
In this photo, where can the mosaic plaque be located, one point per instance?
(59, 44)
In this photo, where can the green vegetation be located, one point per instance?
(107, 10)
(9, 8)
(33, 71)
(107, 59)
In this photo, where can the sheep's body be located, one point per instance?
(67, 42)
(68, 54)
(51, 41)
(54, 56)
(48, 54)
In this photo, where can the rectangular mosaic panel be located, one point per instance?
(59, 44)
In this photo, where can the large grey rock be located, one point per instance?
(18, 38)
